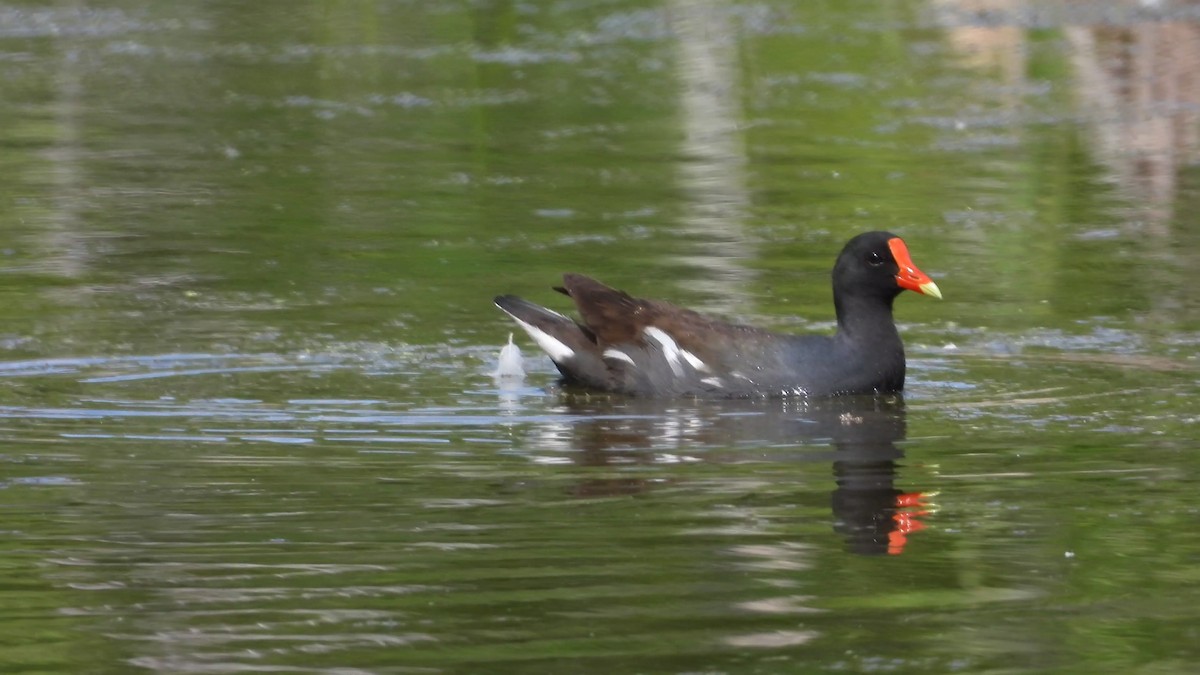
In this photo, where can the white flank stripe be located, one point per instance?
(695, 361)
(614, 353)
(713, 382)
(669, 348)
(550, 344)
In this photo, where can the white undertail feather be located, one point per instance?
(669, 348)
(557, 351)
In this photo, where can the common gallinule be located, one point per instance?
(652, 348)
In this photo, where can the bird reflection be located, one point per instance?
(870, 512)
(858, 435)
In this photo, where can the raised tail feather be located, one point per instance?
(570, 346)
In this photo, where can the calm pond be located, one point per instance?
(247, 412)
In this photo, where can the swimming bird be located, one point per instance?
(652, 348)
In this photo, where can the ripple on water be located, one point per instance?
(222, 517)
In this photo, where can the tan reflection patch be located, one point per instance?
(778, 638)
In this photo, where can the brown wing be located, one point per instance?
(616, 318)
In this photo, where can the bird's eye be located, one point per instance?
(874, 259)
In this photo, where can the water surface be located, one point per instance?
(246, 340)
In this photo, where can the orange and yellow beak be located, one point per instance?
(909, 277)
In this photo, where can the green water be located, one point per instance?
(247, 255)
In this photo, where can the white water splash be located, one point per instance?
(510, 368)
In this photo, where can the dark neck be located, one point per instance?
(866, 319)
